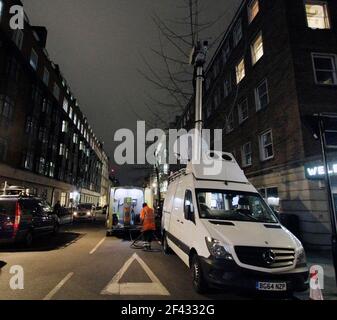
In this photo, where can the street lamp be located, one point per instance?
(332, 208)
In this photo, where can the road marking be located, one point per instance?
(58, 287)
(97, 246)
(129, 288)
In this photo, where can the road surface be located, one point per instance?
(81, 263)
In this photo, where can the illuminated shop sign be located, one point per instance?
(314, 172)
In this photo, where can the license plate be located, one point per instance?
(271, 286)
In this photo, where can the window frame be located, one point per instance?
(237, 32)
(241, 61)
(262, 147)
(31, 62)
(249, 10)
(324, 55)
(327, 13)
(17, 38)
(45, 78)
(243, 155)
(252, 48)
(230, 115)
(257, 97)
(241, 119)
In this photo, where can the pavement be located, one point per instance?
(323, 259)
(81, 263)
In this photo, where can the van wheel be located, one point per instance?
(166, 247)
(199, 283)
(28, 242)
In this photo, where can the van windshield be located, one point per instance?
(234, 206)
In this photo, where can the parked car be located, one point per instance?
(65, 216)
(85, 211)
(99, 210)
(224, 231)
(23, 218)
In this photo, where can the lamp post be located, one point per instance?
(331, 202)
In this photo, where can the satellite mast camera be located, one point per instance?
(198, 54)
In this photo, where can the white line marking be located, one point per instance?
(58, 287)
(97, 245)
(116, 288)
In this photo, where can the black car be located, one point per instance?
(24, 218)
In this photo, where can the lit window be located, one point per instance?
(237, 33)
(51, 169)
(317, 15)
(75, 138)
(246, 154)
(34, 59)
(240, 71)
(64, 126)
(325, 68)
(46, 77)
(65, 105)
(62, 149)
(253, 10)
(266, 145)
(257, 49)
(71, 113)
(261, 95)
(230, 122)
(75, 119)
(243, 111)
(28, 161)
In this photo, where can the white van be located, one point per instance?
(224, 231)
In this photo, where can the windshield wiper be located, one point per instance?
(247, 215)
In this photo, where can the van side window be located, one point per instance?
(188, 202)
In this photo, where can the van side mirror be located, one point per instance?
(189, 212)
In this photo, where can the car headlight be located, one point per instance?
(301, 258)
(217, 249)
(88, 213)
(75, 213)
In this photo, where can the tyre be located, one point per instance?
(199, 283)
(28, 241)
(166, 247)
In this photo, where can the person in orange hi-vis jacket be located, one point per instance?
(149, 226)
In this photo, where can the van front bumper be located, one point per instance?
(229, 274)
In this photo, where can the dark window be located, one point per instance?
(3, 149)
(6, 108)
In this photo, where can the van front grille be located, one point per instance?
(271, 258)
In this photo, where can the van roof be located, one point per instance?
(215, 166)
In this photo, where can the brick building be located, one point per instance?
(276, 65)
(46, 142)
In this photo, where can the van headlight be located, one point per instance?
(88, 213)
(217, 249)
(301, 258)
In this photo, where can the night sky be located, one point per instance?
(98, 45)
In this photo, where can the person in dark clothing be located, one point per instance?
(57, 207)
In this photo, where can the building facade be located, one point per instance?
(275, 66)
(46, 142)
